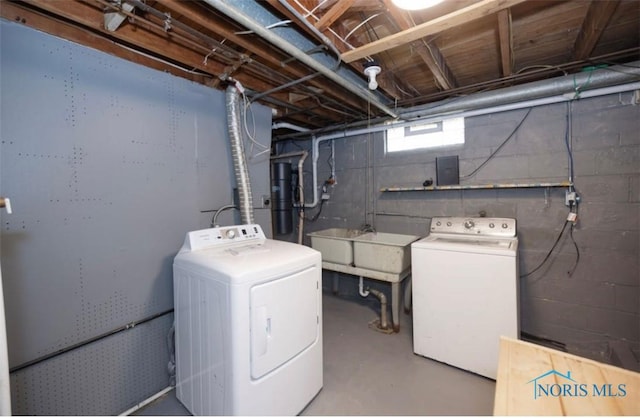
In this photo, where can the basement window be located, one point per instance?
(429, 135)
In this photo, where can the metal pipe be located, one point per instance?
(5, 390)
(214, 220)
(313, 29)
(286, 125)
(283, 86)
(384, 324)
(245, 199)
(146, 401)
(315, 142)
(364, 293)
(290, 49)
(301, 196)
(574, 86)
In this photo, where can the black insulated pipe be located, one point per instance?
(282, 198)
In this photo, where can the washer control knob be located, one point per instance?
(492, 225)
(448, 223)
(231, 233)
(469, 224)
(505, 226)
(438, 223)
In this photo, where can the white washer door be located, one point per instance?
(284, 319)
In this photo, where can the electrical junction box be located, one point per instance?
(447, 171)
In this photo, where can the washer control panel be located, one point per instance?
(207, 238)
(494, 227)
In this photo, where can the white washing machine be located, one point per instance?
(465, 291)
(248, 314)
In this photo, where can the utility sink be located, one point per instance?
(383, 251)
(368, 250)
(335, 244)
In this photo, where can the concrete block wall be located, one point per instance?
(600, 301)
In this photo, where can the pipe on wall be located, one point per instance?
(5, 391)
(245, 199)
(437, 116)
(570, 87)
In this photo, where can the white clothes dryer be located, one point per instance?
(465, 291)
(248, 314)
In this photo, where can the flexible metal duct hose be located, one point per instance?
(238, 156)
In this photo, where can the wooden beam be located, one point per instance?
(333, 14)
(267, 54)
(595, 22)
(506, 41)
(162, 44)
(282, 9)
(14, 12)
(428, 51)
(433, 58)
(451, 20)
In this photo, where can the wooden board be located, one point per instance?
(535, 380)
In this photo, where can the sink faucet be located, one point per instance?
(367, 228)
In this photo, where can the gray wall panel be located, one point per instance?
(108, 165)
(97, 379)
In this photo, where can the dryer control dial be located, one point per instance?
(231, 233)
(469, 224)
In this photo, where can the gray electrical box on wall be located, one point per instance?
(447, 170)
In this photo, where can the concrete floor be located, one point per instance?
(371, 373)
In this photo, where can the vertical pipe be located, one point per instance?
(301, 196)
(5, 391)
(237, 153)
(282, 201)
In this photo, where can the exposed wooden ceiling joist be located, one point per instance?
(192, 11)
(13, 12)
(333, 14)
(598, 15)
(429, 52)
(457, 18)
(482, 42)
(506, 41)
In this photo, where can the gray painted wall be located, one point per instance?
(601, 300)
(108, 165)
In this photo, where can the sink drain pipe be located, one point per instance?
(383, 302)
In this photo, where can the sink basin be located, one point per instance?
(383, 251)
(379, 251)
(335, 244)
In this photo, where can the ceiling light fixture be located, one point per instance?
(371, 70)
(415, 4)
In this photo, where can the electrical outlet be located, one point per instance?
(571, 198)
